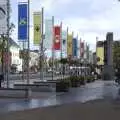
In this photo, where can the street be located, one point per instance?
(107, 90)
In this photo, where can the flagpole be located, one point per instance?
(61, 38)
(28, 72)
(68, 54)
(8, 26)
(72, 45)
(77, 48)
(67, 42)
(42, 56)
(52, 46)
(61, 44)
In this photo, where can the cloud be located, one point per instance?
(87, 18)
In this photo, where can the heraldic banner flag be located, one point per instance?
(81, 49)
(22, 21)
(37, 19)
(69, 44)
(57, 35)
(74, 48)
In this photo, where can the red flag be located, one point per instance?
(57, 30)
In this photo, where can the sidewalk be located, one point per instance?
(93, 110)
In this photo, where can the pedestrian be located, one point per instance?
(1, 79)
(1, 76)
(118, 76)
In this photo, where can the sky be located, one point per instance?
(87, 18)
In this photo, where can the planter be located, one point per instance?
(75, 81)
(62, 86)
(82, 80)
(90, 79)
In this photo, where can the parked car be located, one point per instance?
(16, 68)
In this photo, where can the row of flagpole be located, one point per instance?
(26, 35)
(40, 28)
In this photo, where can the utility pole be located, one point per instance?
(8, 55)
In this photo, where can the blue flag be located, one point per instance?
(74, 47)
(22, 21)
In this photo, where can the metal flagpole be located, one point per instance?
(77, 48)
(61, 45)
(8, 26)
(68, 54)
(23, 61)
(28, 72)
(67, 42)
(42, 52)
(72, 43)
(61, 39)
(52, 46)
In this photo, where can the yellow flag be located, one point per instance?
(69, 44)
(37, 19)
(100, 55)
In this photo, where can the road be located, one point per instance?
(97, 90)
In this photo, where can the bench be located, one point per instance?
(13, 93)
(35, 87)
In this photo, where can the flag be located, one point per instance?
(37, 27)
(87, 51)
(81, 49)
(69, 44)
(57, 37)
(22, 21)
(64, 43)
(74, 47)
(48, 34)
(78, 48)
(61, 40)
(3, 17)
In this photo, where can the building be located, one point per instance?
(14, 49)
(13, 57)
(90, 59)
(34, 60)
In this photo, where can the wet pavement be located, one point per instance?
(92, 91)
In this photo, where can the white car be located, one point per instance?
(19, 69)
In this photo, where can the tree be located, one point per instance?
(116, 54)
(50, 62)
(63, 61)
(3, 43)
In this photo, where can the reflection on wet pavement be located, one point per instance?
(92, 91)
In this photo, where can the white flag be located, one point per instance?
(64, 43)
(48, 34)
(3, 16)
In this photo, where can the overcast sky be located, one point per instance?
(87, 18)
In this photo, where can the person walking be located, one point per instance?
(1, 76)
